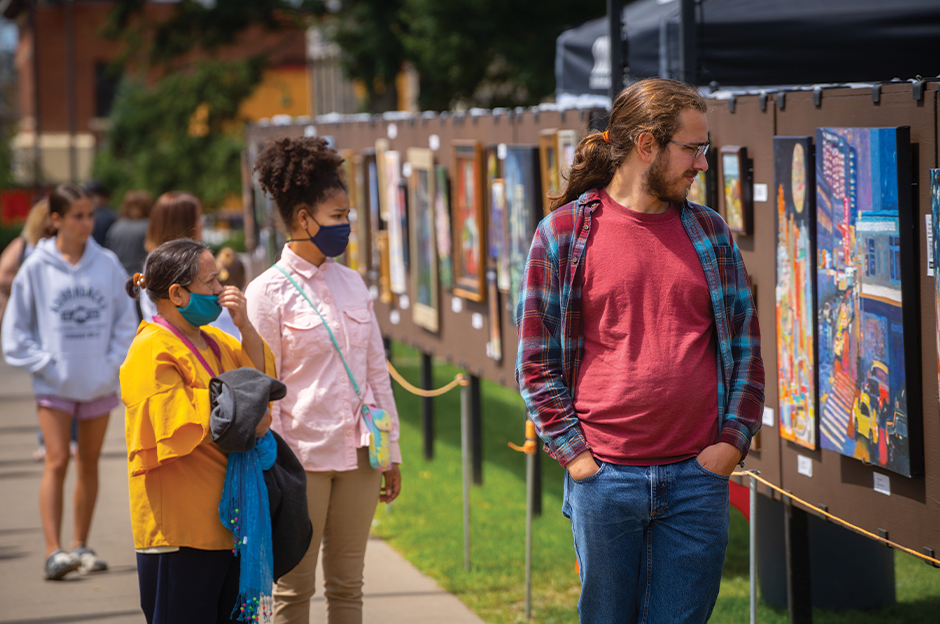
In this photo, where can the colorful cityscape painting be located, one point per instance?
(862, 372)
(935, 239)
(796, 318)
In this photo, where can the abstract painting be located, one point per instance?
(795, 293)
(935, 232)
(523, 209)
(869, 404)
(469, 230)
(442, 225)
(425, 307)
(498, 243)
(396, 235)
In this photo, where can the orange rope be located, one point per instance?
(748, 473)
(459, 380)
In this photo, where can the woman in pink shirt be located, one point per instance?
(320, 418)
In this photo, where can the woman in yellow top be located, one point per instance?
(186, 568)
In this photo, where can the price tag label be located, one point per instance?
(394, 317)
(804, 465)
(501, 151)
(434, 142)
(404, 302)
(392, 130)
(406, 170)
(883, 484)
(456, 305)
(310, 131)
(374, 292)
(477, 320)
(769, 419)
(760, 192)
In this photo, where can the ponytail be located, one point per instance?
(592, 168)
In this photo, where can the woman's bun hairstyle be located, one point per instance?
(299, 173)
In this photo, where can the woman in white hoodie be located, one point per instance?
(69, 323)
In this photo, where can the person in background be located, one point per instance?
(176, 214)
(69, 325)
(320, 417)
(104, 216)
(126, 237)
(639, 360)
(186, 568)
(231, 273)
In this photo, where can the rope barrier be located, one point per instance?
(459, 380)
(849, 525)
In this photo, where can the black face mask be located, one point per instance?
(331, 240)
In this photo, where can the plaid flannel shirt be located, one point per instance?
(551, 343)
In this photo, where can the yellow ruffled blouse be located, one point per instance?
(175, 471)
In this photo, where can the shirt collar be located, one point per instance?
(304, 268)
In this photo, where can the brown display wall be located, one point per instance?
(845, 486)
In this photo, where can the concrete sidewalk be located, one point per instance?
(395, 592)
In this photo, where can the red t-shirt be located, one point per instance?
(647, 390)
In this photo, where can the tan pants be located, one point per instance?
(341, 507)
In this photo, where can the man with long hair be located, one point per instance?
(639, 360)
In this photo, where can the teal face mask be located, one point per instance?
(201, 309)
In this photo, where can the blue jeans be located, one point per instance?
(650, 542)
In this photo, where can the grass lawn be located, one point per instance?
(426, 524)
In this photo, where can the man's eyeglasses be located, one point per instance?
(698, 150)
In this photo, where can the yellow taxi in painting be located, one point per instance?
(874, 390)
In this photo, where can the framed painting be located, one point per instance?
(362, 214)
(469, 224)
(935, 248)
(350, 257)
(381, 146)
(498, 238)
(565, 143)
(736, 187)
(703, 189)
(494, 347)
(445, 264)
(795, 292)
(425, 300)
(396, 221)
(371, 187)
(866, 288)
(523, 211)
(548, 163)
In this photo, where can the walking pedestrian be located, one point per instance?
(126, 237)
(320, 417)
(176, 214)
(69, 324)
(187, 571)
(639, 360)
(104, 216)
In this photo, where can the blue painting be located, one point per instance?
(523, 211)
(935, 249)
(862, 376)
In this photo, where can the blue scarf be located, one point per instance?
(244, 511)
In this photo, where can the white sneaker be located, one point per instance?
(58, 564)
(88, 560)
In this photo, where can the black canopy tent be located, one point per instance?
(761, 42)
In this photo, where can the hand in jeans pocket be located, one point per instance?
(583, 466)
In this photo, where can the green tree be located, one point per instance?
(181, 133)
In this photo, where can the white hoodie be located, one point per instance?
(69, 325)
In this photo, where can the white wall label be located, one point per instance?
(374, 292)
(310, 131)
(760, 192)
(404, 302)
(804, 465)
(768, 419)
(929, 230)
(501, 151)
(883, 484)
(394, 317)
(434, 142)
(477, 320)
(406, 170)
(456, 305)
(392, 131)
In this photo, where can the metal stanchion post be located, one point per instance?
(531, 450)
(465, 456)
(753, 549)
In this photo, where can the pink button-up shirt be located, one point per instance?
(319, 417)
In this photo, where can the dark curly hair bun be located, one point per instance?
(298, 173)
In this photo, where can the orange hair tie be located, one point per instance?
(606, 136)
(139, 280)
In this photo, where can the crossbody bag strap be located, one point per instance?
(209, 340)
(327, 326)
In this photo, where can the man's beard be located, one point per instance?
(656, 184)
